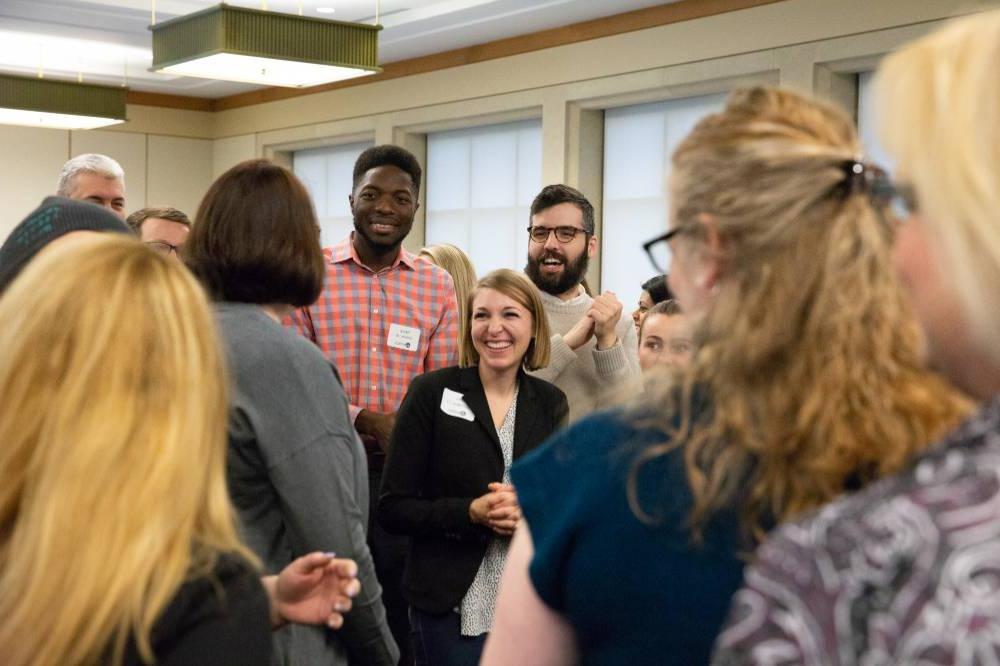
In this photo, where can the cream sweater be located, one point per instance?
(592, 379)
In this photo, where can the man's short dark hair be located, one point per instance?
(135, 220)
(388, 155)
(553, 195)
(256, 238)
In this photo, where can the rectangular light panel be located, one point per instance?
(53, 120)
(263, 71)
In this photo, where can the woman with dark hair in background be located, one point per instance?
(654, 290)
(297, 471)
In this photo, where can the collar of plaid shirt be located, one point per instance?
(345, 251)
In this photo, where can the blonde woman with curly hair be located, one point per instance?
(905, 572)
(808, 381)
(117, 537)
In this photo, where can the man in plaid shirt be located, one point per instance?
(384, 317)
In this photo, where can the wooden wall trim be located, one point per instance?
(169, 101)
(640, 19)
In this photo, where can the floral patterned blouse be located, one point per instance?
(905, 572)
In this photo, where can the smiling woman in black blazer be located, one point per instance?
(446, 480)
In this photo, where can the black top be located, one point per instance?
(218, 620)
(439, 462)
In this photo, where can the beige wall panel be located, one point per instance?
(29, 171)
(761, 28)
(230, 152)
(169, 122)
(180, 171)
(314, 136)
(128, 149)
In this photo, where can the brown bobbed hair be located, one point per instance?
(256, 238)
(521, 289)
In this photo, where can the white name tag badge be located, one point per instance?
(406, 338)
(452, 404)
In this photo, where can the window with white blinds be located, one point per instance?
(327, 174)
(868, 122)
(638, 142)
(480, 184)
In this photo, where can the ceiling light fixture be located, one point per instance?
(40, 102)
(268, 48)
(325, 10)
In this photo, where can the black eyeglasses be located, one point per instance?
(875, 181)
(903, 201)
(563, 234)
(163, 247)
(658, 249)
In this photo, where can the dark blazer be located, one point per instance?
(439, 463)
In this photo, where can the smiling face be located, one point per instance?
(666, 339)
(384, 203)
(501, 330)
(555, 267)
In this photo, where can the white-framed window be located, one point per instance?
(638, 142)
(327, 173)
(480, 184)
(868, 122)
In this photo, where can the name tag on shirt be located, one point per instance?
(452, 404)
(406, 338)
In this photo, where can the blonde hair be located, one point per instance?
(940, 118)
(517, 286)
(458, 266)
(809, 358)
(112, 469)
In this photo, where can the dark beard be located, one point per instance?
(376, 245)
(572, 275)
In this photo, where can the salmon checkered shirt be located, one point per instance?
(350, 323)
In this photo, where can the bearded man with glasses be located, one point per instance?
(595, 358)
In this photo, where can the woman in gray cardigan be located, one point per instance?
(296, 469)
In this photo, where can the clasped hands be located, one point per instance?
(498, 509)
(600, 321)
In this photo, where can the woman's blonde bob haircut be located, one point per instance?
(459, 267)
(112, 468)
(517, 286)
(809, 358)
(940, 120)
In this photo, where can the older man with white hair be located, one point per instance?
(95, 178)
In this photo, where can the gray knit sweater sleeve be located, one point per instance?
(591, 378)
